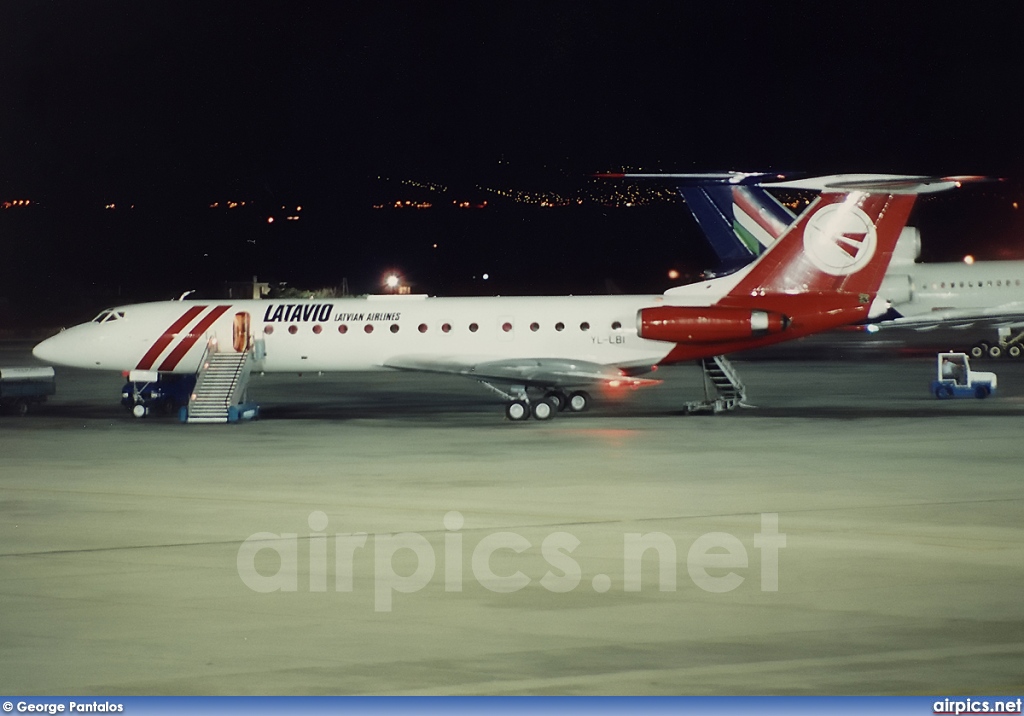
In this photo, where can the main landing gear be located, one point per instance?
(521, 406)
(1009, 344)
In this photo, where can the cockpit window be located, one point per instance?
(108, 316)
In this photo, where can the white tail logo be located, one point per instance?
(840, 239)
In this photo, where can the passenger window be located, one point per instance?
(559, 326)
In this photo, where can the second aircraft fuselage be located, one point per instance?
(983, 286)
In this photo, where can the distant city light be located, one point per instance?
(392, 281)
(270, 219)
(486, 276)
(673, 274)
(968, 259)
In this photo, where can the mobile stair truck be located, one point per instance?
(21, 388)
(955, 379)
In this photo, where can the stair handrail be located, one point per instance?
(731, 374)
(238, 384)
(211, 347)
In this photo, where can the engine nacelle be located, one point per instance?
(896, 288)
(711, 324)
(908, 247)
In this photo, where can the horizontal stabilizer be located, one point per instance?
(889, 183)
(706, 178)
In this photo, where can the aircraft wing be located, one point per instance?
(997, 316)
(539, 372)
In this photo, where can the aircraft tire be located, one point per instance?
(517, 410)
(579, 401)
(544, 410)
(979, 350)
(559, 399)
(1015, 351)
(995, 351)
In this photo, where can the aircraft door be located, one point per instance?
(241, 336)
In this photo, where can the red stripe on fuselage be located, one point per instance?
(175, 356)
(165, 339)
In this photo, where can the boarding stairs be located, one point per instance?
(220, 386)
(723, 389)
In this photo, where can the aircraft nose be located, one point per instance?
(56, 349)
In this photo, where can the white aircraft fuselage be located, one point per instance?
(361, 334)
(985, 287)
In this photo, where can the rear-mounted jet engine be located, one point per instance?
(683, 324)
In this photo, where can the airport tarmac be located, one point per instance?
(849, 535)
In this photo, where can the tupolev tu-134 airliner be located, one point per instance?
(538, 353)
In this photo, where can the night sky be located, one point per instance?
(180, 104)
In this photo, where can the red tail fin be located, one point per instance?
(823, 273)
(842, 244)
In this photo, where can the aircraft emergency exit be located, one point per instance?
(539, 353)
